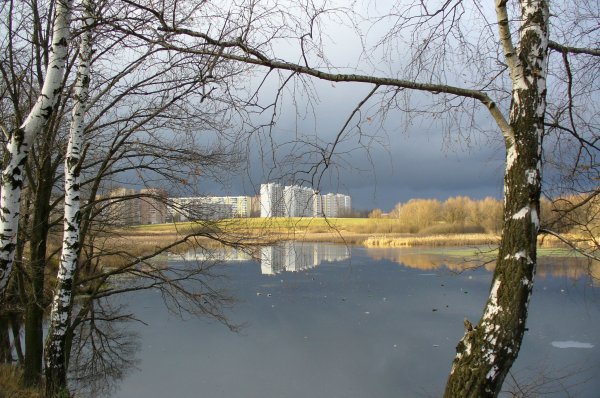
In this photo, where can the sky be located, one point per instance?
(421, 160)
(394, 159)
(397, 157)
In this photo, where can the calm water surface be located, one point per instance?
(322, 320)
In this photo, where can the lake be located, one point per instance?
(325, 320)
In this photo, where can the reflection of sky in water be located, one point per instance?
(360, 327)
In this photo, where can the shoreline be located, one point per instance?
(165, 234)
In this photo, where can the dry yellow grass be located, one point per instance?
(10, 384)
(452, 240)
(433, 240)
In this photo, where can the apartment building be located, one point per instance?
(298, 201)
(123, 207)
(271, 200)
(153, 206)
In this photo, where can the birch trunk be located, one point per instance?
(487, 351)
(21, 139)
(60, 315)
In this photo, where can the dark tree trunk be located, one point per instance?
(34, 337)
(5, 351)
(487, 351)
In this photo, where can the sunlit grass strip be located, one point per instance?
(308, 224)
(433, 240)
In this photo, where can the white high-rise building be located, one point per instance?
(344, 204)
(317, 205)
(336, 205)
(298, 201)
(330, 205)
(271, 200)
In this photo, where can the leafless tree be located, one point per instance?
(149, 111)
(463, 57)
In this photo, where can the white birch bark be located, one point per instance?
(488, 350)
(21, 139)
(60, 314)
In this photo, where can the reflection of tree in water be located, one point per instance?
(548, 380)
(564, 267)
(104, 349)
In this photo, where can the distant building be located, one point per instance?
(299, 201)
(271, 200)
(123, 207)
(240, 205)
(336, 205)
(318, 205)
(255, 206)
(344, 203)
(330, 205)
(199, 208)
(153, 206)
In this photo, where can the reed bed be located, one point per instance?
(432, 240)
(454, 240)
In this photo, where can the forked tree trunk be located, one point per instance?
(60, 316)
(21, 139)
(487, 351)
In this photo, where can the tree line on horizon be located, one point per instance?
(578, 214)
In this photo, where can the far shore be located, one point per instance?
(371, 233)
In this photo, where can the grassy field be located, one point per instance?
(314, 225)
(340, 230)
(371, 232)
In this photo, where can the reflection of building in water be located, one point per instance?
(217, 254)
(271, 260)
(298, 256)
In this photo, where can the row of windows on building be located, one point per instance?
(297, 201)
(153, 206)
(124, 206)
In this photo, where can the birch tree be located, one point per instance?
(138, 94)
(60, 315)
(19, 141)
(510, 83)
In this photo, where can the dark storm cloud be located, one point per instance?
(387, 162)
(424, 160)
(420, 168)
